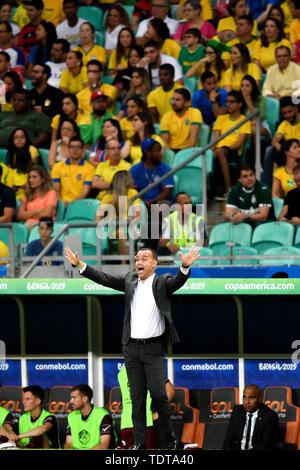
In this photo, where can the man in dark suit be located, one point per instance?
(253, 425)
(147, 327)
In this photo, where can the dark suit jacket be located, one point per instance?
(265, 433)
(163, 286)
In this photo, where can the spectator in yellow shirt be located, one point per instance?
(226, 29)
(118, 59)
(283, 178)
(134, 105)
(88, 48)
(241, 65)
(179, 128)
(143, 129)
(244, 35)
(230, 148)
(74, 78)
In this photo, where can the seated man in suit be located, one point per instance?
(253, 425)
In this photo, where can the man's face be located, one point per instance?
(4, 65)
(76, 150)
(77, 400)
(185, 203)
(57, 53)
(178, 102)
(37, 75)
(210, 84)
(189, 40)
(20, 103)
(232, 104)
(251, 399)
(247, 179)
(145, 264)
(156, 153)
(289, 113)
(5, 13)
(30, 402)
(45, 231)
(93, 74)
(32, 12)
(159, 9)
(70, 10)
(282, 57)
(5, 36)
(99, 105)
(243, 27)
(152, 54)
(166, 78)
(113, 150)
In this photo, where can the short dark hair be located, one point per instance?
(154, 254)
(152, 43)
(248, 18)
(65, 44)
(36, 390)
(245, 166)
(24, 92)
(286, 144)
(237, 95)
(194, 32)
(71, 1)
(76, 138)
(8, 26)
(38, 4)
(84, 390)
(168, 67)
(4, 54)
(206, 75)
(48, 221)
(185, 93)
(282, 47)
(95, 62)
(286, 101)
(46, 69)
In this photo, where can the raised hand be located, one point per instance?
(189, 258)
(73, 258)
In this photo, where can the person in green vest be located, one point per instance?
(8, 426)
(38, 427)
(126, 426)
(182, 228)
(89, 427)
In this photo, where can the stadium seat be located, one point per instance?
(99, 38)
(3, 156)
(297, 239)
(278, 205)
(272, 113)
(20, 231)
(271, 235)
(214, 419)
(81, 210)
(289, 251)
(168, 157)
(28, 83)
(204, 251)
(107, 79)
(173, 10)
(236, 251)
(191, 84)
(91, 14)
(44, 156)
(183, 416)
(11, 399)
(157, 128)
(89, 241)
(60, 211)
(59, 405)
(228, 232)
(204, 135)
(279, 399)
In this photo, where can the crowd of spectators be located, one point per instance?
(119, 95)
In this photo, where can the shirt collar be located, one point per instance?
(67, 161)
(148, 280)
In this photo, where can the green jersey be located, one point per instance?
(248, 201)
(187, 58)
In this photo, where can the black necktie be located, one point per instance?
(248, 431)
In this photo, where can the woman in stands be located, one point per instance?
(69, 111)
(271, 37)
(139, 86)
(59, 149)
(111, 130)
(283, 178)
(40, 199)
(74, 78)
(277, 12)
(212, 62)
(135, 105)
(13, 83)
(121, 187)
(123, 77)
(192, 11)
(158, 31)
(117, 18)
(240, 65)
(143, 129)
(39, 54)
(21, 156)
(226, 28)
(88, 48)
(119, 56)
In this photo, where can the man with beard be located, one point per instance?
(57, 64)
(45, 98)
(91, 125)
(179, 128)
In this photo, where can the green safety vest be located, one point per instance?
(3, 413)
(126, 419)
(86, 434)
(26, 425)
(181, 235)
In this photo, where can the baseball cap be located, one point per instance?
(96, 95)
(147, 144)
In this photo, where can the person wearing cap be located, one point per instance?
(27, 37)
(94, 71)
(91, 125)
(180, 127)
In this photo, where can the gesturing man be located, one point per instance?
(147, 327)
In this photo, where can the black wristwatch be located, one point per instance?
(185, 267)
(213, 102)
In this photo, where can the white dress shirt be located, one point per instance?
(254, 418)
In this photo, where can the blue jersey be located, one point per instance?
(35, 247)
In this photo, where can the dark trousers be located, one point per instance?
(145, 366)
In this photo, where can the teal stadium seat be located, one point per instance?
(107, 79)
(93, 15)
(83, 210)
(44, 153)
(3, 156)
(228, 232)
(278, 205)
(204, 251)
(297, 239)
(99, 38)
(60, 211)
(157, 128)
(289, 251)
(168, 157)
(191, 84)
(173, 10)
(271, 235)
(21, 234)
(204, 135)
(236, 251)
(272, 113)
(89, 241)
